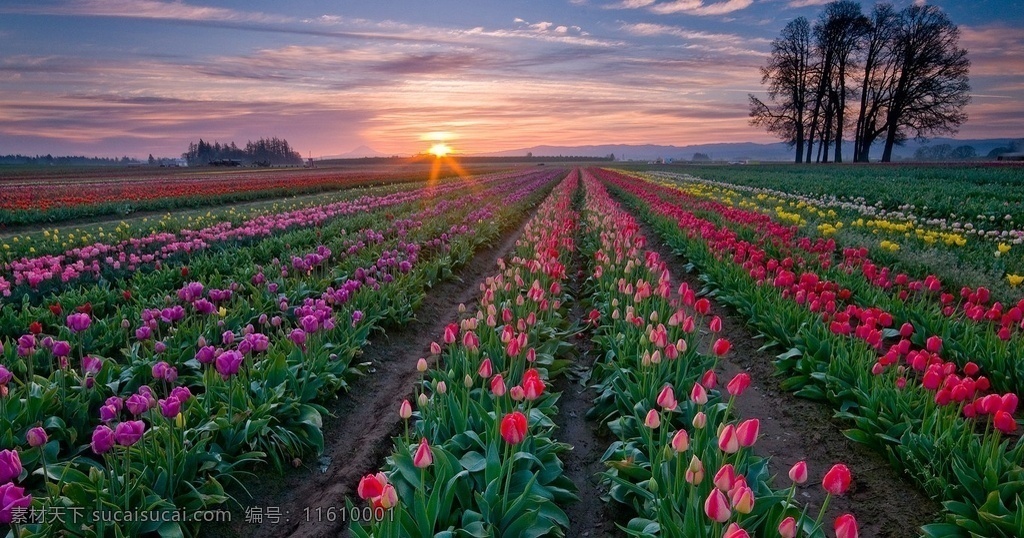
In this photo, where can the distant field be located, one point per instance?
(32, 195)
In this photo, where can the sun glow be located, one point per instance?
(440, 149)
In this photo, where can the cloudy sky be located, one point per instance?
(133, 77)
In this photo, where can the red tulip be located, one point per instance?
(715, 325)
(933, 344)
(721, 347)
(56, 309)
(423, 457)
(709, 380)
(1004, 422)
(371, 486)
(702, 306)
(837, 479)
(35, 327)
(716, 507)
(739, 384)
(798, 473)
(533, 386)
(747, 432)
(513, 427)
(846, 526)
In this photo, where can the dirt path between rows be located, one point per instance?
(590, 516)
(358, 435)
(885, 502)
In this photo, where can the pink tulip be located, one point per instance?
(787, 528)
(12, 497)
(727, 440)
(934, 344)
(423, 457)
(667, 398)
(698, 394)
(498, 386)
(700, 420)
(485, 369)
(709, 380)
(653, 420)
(695, 471)
(129, 432)
(725, 477)
(743, 499)
(405, 410)
(721, 347)
(371, 486)
(680, 441)
(716, 507)
(36, 437)
(846, 526)
(78, 322)
(735, 531)
(747, 432)
(798, 473)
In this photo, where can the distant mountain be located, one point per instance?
(358, 153)
(733, 151)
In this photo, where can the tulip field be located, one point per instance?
(149, 377)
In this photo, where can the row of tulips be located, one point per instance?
(885, 372)
(217, 379)
(46, 199)
(33, 276)
(981, 326)
(478, 457)
(685, 465)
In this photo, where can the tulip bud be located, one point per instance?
(837, 479)
(680, 441)
(36, 437)
(798, 473)
(667, 398)
(743, 500)
(405, 410)
(739, 384)
(698, 394)
(700, 420)
(735, 531)
(422, 400)
(423, 457)
(787, 529)
(725, 477)
(716, 507)
(727, 441)
(747, 432)
(653, 420)
(695, 471)
(846, 526)
(421, 365)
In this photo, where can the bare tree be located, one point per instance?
(878, 78)
(788, 78)
(932, 89)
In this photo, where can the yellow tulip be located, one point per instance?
(1015, 280)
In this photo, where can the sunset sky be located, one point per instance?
(134, 77)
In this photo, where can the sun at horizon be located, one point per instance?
(440, 149)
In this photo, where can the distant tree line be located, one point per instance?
(945, 152)
(265, 151)
(1016, 146)
(889, 76)
(63, 160)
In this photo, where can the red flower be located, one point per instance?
(1004, 422)
(371, 486)
(35, 327)
(423, 457)
(837, 479)
(513, 427)
(84, 309)
(56, 309)
(846, 526)
(721, 347)
(739, 384)
(184, 271)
